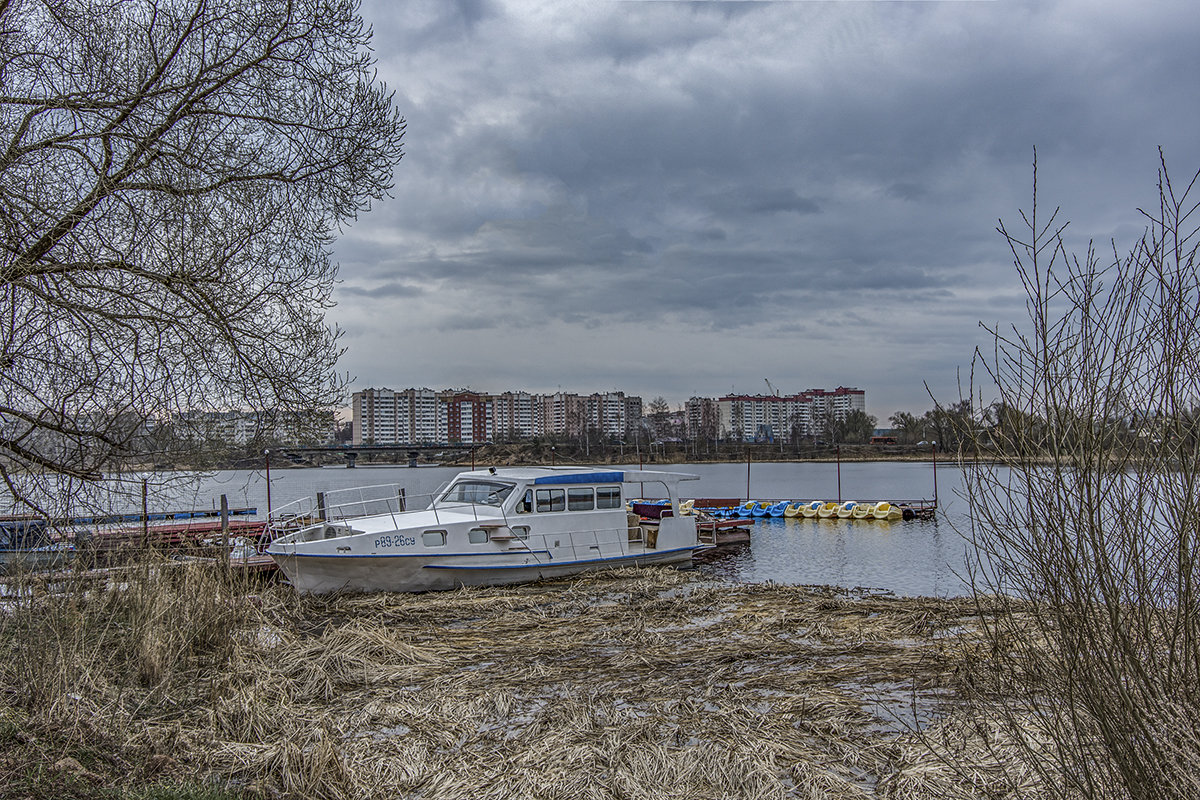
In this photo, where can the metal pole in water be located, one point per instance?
(747, 473)
(935, 497)
(839, 473)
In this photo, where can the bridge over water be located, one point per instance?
(351, 452)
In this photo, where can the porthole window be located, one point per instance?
(477, 536)
(433, 538)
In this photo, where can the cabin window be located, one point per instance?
(580, 500)
(433, 538)
(520, 531)
(477, 536)
(551, 500)
(487, 493)
(608, 497)
(525, 504)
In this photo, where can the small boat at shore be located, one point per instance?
(828, 511)
(487, 527)
(846, 509)
(811, 509)
(863, 510)
(27, 546)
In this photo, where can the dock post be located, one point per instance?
(267, 455)
(225, 525)
(321, 506)
(402, 499)
(145, 522)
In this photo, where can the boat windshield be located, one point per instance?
(478, 492)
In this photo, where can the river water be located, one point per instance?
(917, 557)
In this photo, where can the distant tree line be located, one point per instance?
(1003, 428)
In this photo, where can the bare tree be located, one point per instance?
(658, 417)
(172, 174)
(1089, 537)
(907, 427)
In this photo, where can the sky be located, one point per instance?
(691, 198)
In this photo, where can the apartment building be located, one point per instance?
(751, 417)
(700, 418)
(425, 416)
(513, 415)
(411, 416)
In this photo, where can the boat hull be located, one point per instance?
(325, 574)
(17, 562)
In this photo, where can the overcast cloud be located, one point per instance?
(679, 198)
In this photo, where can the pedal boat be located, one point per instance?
(485, 528)
(887, 511)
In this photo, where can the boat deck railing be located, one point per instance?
(366, 501)
(340, 504)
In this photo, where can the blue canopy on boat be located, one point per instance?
(583, 477)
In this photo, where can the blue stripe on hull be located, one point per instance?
(408, 555)
(627, 557)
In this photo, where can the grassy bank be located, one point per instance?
(182, 682)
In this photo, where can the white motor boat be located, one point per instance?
(487, 527)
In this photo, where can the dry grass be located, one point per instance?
(637, 683)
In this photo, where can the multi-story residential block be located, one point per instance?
(612, 413)
(469, 418)
(425, 416)
(412, 416)
(700, 418)
(750, 417)
(240, 428)
(513, 415)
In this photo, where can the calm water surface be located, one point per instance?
(919, 557)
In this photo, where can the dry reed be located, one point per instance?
(635, 683)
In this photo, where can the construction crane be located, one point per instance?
(774, 391)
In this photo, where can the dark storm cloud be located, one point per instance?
(743, 184)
